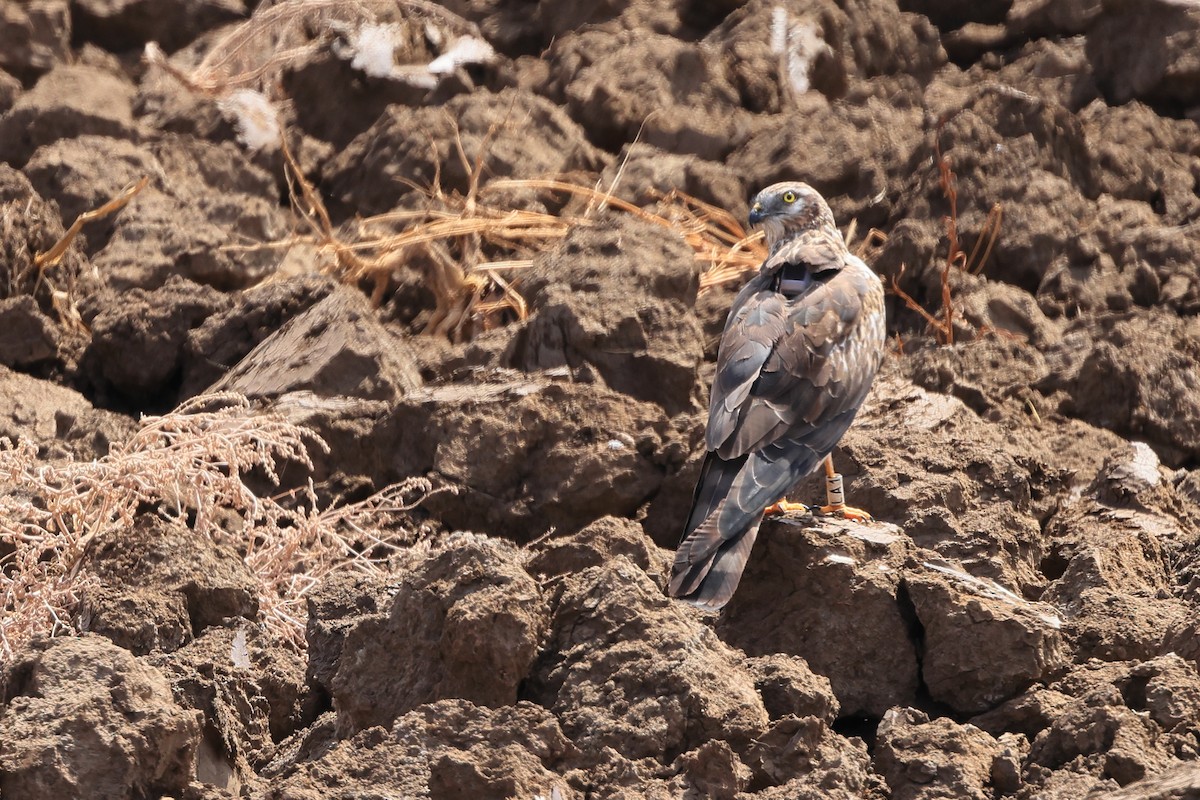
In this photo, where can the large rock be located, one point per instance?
(982, 643)
(27, 336)
(205, 198)
(922, 759)
(162, 584)
(669, 93)
(80, 717)
(69, 101)
(137, 344)
(34, 36)
(631, 672)
(852, 154)
(525, 455)
(84, 173)
(617, 296)
(464, 623)
(451, 748)
(1115, 722)
(1131, 374)
(225, 338)
(59, 421)
(336, 348)
(516, 133)
(778, 50)
(1112, 558)
(1147, 51)
(128, 24)
(30, 225)
(829, 594)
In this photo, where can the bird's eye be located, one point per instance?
(789, 197)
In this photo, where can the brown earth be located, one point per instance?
(1021, 622)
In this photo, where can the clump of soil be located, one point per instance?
(1019, 622)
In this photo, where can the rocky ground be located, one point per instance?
(1021, 621)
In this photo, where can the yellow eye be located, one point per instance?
(789, 197)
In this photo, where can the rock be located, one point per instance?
(671, 94)
(1135, 380)
(1106, 727)
(81, 715)
(211, 195)
(225, 338)
(923, 758)
(828, 44)
(598, 542)
(438, 750)
(972, 491)
(129, 24)
(362, 98)
(1055, 69)
(335, 607)
(1034, 18)
(137, 344)
(59, 421)
(28, 226)
(34, 37)
(1110, 556)
(616, 297)
(1176, 782)
(1004, 146)
(713, 770)
(27, 336)
(982, 643)
(10, 89)
(800, 757)
(556, 20)
(1147, 51)
(336, 348)
(216, 676)
(558, 454)
(850, 154)
(948, 15)
(464, 623)
(805, 587)
(68, 101)
(789, 688)
(631, 673)
(1001, 309)
(364, 175)
(163, 584)
(642, 174)
(84, 173)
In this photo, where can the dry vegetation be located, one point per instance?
(956, 258)
(197, 463)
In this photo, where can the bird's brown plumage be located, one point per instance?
(802, 343)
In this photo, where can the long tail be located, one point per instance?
(727, 509)
(709, 561)
(711, 583)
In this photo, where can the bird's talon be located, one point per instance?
(786, 507)
(847, 512)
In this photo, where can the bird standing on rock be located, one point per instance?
(800, 350)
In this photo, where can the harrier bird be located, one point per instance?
(801, 346)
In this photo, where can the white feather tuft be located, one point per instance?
(254, 118)
(465, 50)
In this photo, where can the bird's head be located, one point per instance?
(785, 209)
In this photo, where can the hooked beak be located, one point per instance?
(757, 214)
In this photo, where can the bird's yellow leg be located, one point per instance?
(835, 496)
